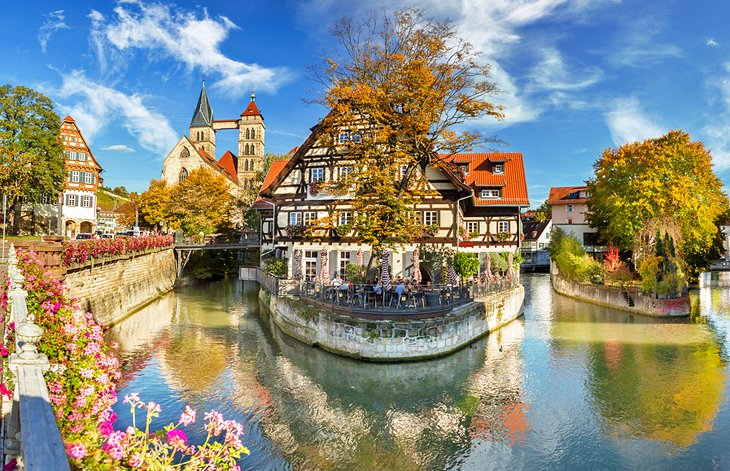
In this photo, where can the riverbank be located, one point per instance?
(399, 339)
(622, 299)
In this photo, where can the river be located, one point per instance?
(568, 386)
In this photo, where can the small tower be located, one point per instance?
(202, 134)
(251, 130)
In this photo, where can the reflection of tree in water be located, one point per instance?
(346, 414)
(669, 393)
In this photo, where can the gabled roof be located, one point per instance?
(222, 167)
(566, 195)
(69, 120)
(532, 230)
(252, 109)
(211, 161)
(481, 174)
(203, 114)
(229, 163)
(276, 167)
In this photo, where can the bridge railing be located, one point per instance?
(31, 433)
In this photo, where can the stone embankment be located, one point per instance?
(622, 299)
(398, 339)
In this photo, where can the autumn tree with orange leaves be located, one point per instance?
(397, 91)
(668, 179)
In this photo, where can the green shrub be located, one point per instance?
(354, 273)
(466, 264)
(277, 267)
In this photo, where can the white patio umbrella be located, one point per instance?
(324, 275)
(417, 266)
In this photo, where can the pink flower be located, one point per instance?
(153, 408)
(76, 450)
(177, 438)
(3, 351)
(5, 391)
(131, 398)
(215, 424)
(135, 460)
(188, 416)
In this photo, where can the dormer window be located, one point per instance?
(583, 194)
(343, 137)
(465, 169)
(498, 169)
(490, 193)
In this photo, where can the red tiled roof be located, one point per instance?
(69, 118)
(211, 161)
(251, 110)
(276, 167)
(566, 195)
(228, 163)
(512, 181)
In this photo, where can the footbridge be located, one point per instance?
(185, 246)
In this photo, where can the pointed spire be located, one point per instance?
(253, 95)
(203, 115)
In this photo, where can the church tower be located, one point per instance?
(202, 134)
(251, 130)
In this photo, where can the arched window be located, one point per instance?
(248, 134)
(250, 165)
(245, 165)
(184, 153)
(253, 133)
(183, 175)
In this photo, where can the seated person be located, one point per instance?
(378, 288)
(400, 288)
(344, 286)
(336, 281)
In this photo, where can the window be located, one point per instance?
(185, 153)
(343, 137)
(590, 238)
(86, 201)
(465, 169)
(75, 176)
(345, 217)
(570, 208)
(182, 176)
(71, 200)
(489, 193)
(570, 221)
(403, 170)
(295, 219)
(47, 199)
(88, 178)
(472, 227)
(309, 217)
(82, 156)
(503, 226)
(497, 169)
(310, 264)
(316, 174)
(344, 260)
(430, 218)
(356, 137)
(344, 172)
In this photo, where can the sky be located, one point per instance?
(575, 76)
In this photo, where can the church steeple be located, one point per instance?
(203, 115)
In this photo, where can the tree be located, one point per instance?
(31, 153)
(201, 203)
(399, 89)
(466, 264)
(120, 190)
(154, 204)
(544, 212)
(668, 178)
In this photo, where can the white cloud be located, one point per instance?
(715, 133)
(638, 45)
(627, 122)
(100, 104)
(552, 73)
(494, 28)
(184, 37)
(118, 148)
(55, 21)
(712, 42)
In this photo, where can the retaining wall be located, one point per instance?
(615, 298)
(114, 287)
(394, 340)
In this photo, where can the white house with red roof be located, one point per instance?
(199, 148)
(569, 205)
(474, 207)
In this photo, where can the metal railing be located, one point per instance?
(31, 433)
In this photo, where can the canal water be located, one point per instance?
(568, 386)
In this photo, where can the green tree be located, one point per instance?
(201, 203)
(544, 212)
(154, 204)
(668, 178)
(31, 153)
(466, 264)
(400, 87)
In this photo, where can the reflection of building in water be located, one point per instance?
(660, 382)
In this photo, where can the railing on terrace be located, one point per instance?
(31, 433)
(219, 239)
(372, 298)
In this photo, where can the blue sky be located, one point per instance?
(576, 76)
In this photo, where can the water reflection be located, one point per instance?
(572, 386)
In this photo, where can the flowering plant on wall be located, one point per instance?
(80, 251)
(82, 384)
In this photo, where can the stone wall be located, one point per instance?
(114, 288)
(394, 340)
(616, 298)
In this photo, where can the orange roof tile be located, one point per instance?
(512, 180)
(566, 195)
(228, 162)
(251, 110)
(276, 167)
(211, 161)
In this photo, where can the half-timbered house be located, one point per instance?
(474, 206)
